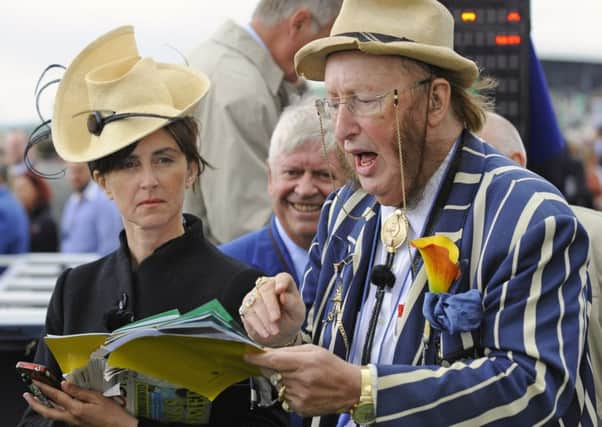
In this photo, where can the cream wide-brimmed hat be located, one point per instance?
(418, 29)
(110, 78)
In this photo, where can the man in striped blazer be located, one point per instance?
(506, 344)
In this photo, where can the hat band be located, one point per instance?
(374, 37)
(96, 122)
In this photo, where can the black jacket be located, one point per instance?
(183, 273)
(43, 232)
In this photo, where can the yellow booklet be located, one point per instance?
(201, 350)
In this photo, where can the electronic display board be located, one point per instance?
(495, 34)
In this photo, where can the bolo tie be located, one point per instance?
(393, 234)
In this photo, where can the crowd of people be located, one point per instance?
(83, 220)
(308, 212)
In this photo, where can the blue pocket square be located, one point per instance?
(453, 313)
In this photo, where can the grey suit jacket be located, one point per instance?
(592, 221)
(237, 117)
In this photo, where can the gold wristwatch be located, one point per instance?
(364, 412)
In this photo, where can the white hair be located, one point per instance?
(271, 12)
(298, 125)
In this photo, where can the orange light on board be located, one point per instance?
(513, 16)
(468, 16)
(507, 40)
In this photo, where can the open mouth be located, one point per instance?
(364, 160)
(305, 207)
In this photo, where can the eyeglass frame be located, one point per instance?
(326, 112)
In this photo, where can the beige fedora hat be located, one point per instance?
(418, 29)
(108, 79)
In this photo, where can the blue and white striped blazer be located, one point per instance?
(522, 247)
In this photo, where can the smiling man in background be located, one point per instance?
(300, 177)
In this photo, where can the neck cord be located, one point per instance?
(394, 232)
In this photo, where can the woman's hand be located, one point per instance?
(310, 380)
(273, 311)
(80, 407)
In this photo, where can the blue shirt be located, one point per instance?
(90, 223)
(297, 253)
(14, 225)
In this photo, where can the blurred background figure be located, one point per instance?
(14, 148)
(501, 133)
(252, 81)
(14, 226)
(575, 187)
(597, 143)
(35, 195)
(2, 152)
(300, 177)
(593, 177)
(90, 221)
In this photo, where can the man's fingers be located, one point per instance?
(260, 311)
(284, 283)
(288, 294)
(265, 318)
(255, 326)
(273, 308)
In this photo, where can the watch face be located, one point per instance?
(364, 413)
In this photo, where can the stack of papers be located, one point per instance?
(200, 351)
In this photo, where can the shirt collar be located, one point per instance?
(297, 253)
(255, 36)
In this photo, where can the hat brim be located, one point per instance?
(71, 138)
(310, 60)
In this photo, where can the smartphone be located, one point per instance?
(28, 372)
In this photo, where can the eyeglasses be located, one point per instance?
(359, 106)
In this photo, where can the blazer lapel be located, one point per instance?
(450, 213)
(359, 281)
(347, 265)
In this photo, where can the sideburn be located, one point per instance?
(414, 150)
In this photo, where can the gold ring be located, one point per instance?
(285, 406)
(247, 303)
(275, 378)
(241, 311)
(281, 392)
(261, 280)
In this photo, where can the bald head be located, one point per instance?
(502, 135)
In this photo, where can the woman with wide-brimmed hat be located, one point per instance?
(128, 118)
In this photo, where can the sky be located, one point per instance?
(37, 33)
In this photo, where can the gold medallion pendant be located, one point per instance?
(394, 230)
